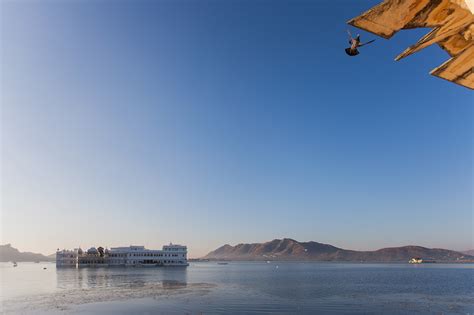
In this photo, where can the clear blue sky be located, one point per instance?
(212, 122)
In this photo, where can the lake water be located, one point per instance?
(240, 287)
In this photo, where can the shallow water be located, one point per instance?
(240, 287)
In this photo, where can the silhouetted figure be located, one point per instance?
(355, 43)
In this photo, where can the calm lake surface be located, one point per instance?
(240, 287)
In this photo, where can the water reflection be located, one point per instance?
(239, 288)
(87, 278)
(173, 284)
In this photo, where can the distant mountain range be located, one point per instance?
(468, 252)
(289, 249)
(9, 253)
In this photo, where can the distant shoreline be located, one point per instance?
(288, 249)
(328, 261)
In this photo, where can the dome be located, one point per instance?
(79, 251)
(92, 251)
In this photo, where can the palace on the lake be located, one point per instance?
(131, 256)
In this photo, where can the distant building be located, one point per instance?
(66, 258)
(134, 256)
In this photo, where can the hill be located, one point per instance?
(468, 252)
(9, 253)
(289, 249)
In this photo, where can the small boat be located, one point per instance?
(44, 268)
(415, 260)
(15, 264)
(222, 263)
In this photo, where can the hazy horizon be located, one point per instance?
(191, 256)
(217, 122)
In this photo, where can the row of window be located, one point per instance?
(154, 255)
(67, 262)
(66, 256)
(121, 262)
(164, 261)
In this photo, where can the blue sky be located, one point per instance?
(212, 122)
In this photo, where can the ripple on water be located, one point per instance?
(241, 288)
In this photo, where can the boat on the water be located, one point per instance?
(222, 263)
(15, 264)
(415, 260)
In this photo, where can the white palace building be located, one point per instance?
(133, 256)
